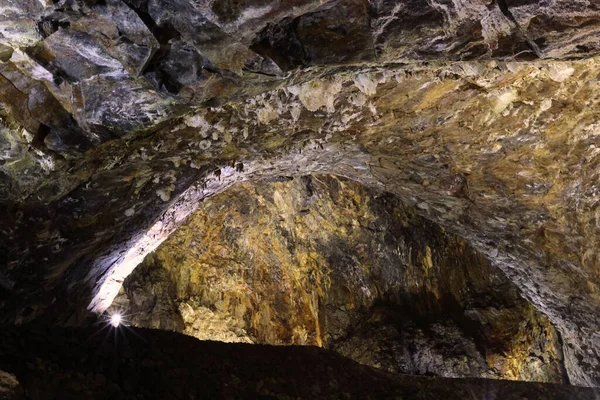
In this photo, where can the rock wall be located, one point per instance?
(324, 261)
(117, 117)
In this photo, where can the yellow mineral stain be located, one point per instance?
(427, 260)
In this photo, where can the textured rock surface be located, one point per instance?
(96, 363)
(323, 261)
(10, 389)
(118, 117)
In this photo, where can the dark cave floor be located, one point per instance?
(134, 363)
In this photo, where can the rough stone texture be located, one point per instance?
(323, 261)
(482, 115)
(100, 363)
(10, 389)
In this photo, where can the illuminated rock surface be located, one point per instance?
(323, 261)
(117, 118)
(9, 387)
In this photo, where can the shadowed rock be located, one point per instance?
(98, 363)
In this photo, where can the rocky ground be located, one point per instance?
(97, 362)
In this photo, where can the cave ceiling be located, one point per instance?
(118, 118)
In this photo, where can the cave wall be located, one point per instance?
(321, 260)
(443, 148)
(480, 115)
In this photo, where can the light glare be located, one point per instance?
(115, 320)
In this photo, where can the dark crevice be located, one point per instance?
(38, 139)
(49, 24)
(171, 85)
(280, 43)
(156, 69)
(163, 33)
(505, 10)
(503, 6)
(565, 374)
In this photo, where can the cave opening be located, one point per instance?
(324, 261)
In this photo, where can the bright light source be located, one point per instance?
(115, 320)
